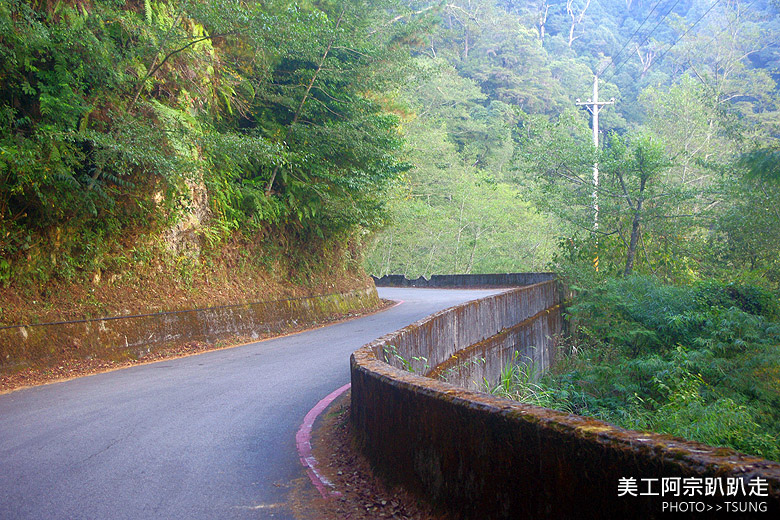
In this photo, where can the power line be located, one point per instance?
(647, 37)
(613, 58)
(713, 38)
(717, 35)
(660, 58)
(745, 10)
(595, 106)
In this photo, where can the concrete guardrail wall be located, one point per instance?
(476, 456)
(473, 342)
(465, 280)
(134, 336)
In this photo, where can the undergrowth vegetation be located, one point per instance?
(700, 362)
(123, 119)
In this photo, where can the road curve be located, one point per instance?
(210, 436)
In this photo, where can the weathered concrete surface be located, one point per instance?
(134, 336)
(465, 280)
(476, 456)
(475, 340)
(532, 343)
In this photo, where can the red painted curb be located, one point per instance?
(303, 440)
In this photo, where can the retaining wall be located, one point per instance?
(476, 456)
(134, 336)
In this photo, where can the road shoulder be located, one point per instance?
(363, 496)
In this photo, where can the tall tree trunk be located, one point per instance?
(646, 60)
(576, 19)
(632, 245)
(460, 232)
(477, 234)
(635, 229)
(389, 251)
(544, 9)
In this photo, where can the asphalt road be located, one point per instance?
(210, 436)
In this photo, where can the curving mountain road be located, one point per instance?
(210, 436)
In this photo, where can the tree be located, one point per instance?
(325, 105)
(576, 14)
(745, 242)
(719, 57)
(455, 211)
(634, 166)
(640, 203)
(122, 114)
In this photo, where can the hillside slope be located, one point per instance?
(167, 154)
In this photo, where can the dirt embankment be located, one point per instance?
(241, 271)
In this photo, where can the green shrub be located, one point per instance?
(700, 362)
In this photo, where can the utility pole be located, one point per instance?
(594, 106)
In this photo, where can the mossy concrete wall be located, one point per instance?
(474, 341)
(134, 336)
(465, 280)
(532, 343)
(476, 456)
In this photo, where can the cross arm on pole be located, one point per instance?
(594, 106)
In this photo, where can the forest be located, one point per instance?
(694, 84)
(151, 140)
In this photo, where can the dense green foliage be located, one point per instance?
(694, 77)
(699, 362)
(456, 210)
(120, 117)
(123, 118)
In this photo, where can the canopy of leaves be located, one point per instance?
(694, 75)
(115, 115)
